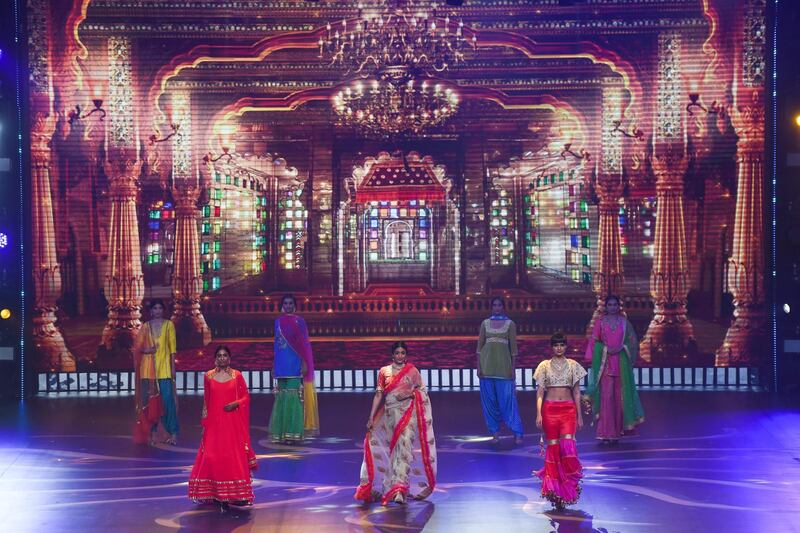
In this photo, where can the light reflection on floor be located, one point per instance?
(704, 461)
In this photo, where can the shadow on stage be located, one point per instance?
(412, 516)
(572, 521)
(375, 518)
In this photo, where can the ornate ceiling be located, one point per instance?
(537, 62)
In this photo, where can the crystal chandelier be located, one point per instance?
(399, 36)
(385, 108)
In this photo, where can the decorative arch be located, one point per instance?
(309, 40)
(467, 92)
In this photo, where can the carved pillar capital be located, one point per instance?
(186, 201)
(669, 166)
(42, 129)
(125, 172)
(749, 119)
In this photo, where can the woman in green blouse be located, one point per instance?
(497, 348)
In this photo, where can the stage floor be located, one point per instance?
(704, 461)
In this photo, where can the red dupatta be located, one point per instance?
(417, 412)
(146, 415)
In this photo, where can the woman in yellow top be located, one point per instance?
(155, 366)
(497, 349)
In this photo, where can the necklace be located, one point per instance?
(613, 323)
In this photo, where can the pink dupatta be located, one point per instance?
(294, 331)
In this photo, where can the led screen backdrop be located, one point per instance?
(220, 155)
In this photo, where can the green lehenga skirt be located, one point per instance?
(286, 422)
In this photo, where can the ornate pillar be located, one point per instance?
(744, 341)
(124, 283)
(746, 337)
(187, 282)
(46, 270)
(608, 278)
(670, 336)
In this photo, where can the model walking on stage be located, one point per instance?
(497, 350)
(221, 471)
(613, 349)
(154, 363)
(399, 449)
(294, 414)
(558, 413)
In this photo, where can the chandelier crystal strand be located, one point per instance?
(384, 107)
(397, 36)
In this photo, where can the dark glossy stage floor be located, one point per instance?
(705, 461)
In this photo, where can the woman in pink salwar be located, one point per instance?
(612, 350)
(399, 449)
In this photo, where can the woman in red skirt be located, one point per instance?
(558, 413)
(221, 471)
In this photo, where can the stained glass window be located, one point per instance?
(502, 229)
(578, 222)
(397, 230)
(232, 230)
(532, 244)
(647, 216)
(293, 229)
(160, 235)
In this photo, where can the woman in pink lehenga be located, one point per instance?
(399, 449)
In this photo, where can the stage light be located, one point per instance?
(5, 314)
(797, 120)
(3, 240)
(787, 308)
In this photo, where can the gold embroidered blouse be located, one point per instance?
(555, 373)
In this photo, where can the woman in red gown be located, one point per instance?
(221, 471)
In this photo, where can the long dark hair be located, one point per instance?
(156, 301)
(612, 297)
(289, 296)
